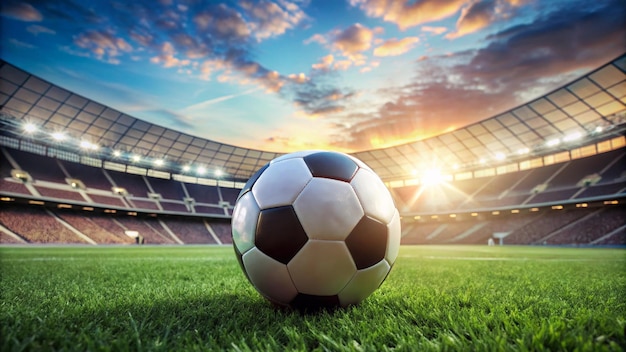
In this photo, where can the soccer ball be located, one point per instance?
(315, 229)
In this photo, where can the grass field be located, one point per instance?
(196, 298)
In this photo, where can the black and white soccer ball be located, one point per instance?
(315, 229)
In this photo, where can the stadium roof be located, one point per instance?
(587, 109)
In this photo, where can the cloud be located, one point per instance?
(476, 16)
(434, 30)
(103, 44)
(353, 40)
(516, 65)
(268, 19)
(395, 47)
(21, 44)
(406, 14)
(36, 29)
(21, 11)
(167, 57)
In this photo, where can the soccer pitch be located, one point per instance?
(197, 298)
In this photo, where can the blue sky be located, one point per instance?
(290, 75)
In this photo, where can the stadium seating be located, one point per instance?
(196, 222)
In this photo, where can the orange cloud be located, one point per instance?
(395, 47)
(406, 14)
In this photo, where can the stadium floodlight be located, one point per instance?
(553, 142)
(186, 168)
(117, 153)
(572, 137)
(432, 177)
(30, 127)
(159, 162)
(219, 173)
(88, 145)
(523, 151)
(135, 158)
(201, 170)
(598, 129)
(58, 136)
(500, 156)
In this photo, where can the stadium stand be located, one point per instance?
(570, 193)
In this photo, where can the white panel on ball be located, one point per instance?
(364, 283)
(328, 209)
(393, 244)
(281, 183)
(269, 276)
(299, 154)
(374, 196)
(244, 220)
(322, 268)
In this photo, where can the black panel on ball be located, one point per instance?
(313, 302)
(367, 242)
(240, 260)
(252, 180)
(279, 233)
(331, 165)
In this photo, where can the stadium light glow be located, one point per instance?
(219, 173)
(432, 177)
(58, 136)
(186, 168)
(553, 142)
(598, 129)
(572, 137)
(88, 145)
(159, 162)
(135, 158)
(500, 156)
(523, 151)
(30, 127)
(117, 153)
(201, 170)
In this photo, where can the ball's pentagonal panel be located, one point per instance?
(393, 243)
(328, 209)
(333, 165)
(304, 301)
(363, 283)
(279, 233)
(374, 196)
(248, 186)
(281, 183)
(269, 276)
(244, 221)
(367, 242)
(321, 268)
(299, 154)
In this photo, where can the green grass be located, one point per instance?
(196, 298)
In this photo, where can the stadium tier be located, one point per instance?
(551, 171)
(563, 203)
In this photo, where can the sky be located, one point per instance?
(288, 75)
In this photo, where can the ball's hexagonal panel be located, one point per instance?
(244, 221)
(321, 268)
(304, 301)
(333, 165)
(299, 154)
(363, 283)
(374, 196)
(393, 244)
(279, 233)
(281, 183)
(248, 186)
(269, 277)
(328, 209)
(367, 242)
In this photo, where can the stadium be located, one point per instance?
(116, 232)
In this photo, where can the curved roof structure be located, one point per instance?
(584, 110)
